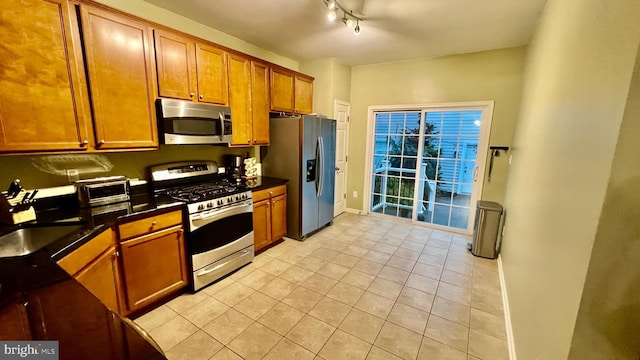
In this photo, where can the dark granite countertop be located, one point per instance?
(264, 182)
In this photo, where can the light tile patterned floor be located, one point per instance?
(364, 288)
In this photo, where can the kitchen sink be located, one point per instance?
(28, 240)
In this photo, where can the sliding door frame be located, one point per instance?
(483, 147)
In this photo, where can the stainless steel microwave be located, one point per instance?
(186, 122)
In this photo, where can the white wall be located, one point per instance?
(578, 73)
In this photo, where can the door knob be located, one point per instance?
(337, 168)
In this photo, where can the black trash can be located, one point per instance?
(487, 229)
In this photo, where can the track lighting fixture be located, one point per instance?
(348, 18)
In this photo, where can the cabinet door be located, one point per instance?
(153, 266)
(239, 98)
(278, 217)
(121, 80)
(176, 65)
(43, 93)
(303, 94)
(281, 90)
(102, 279)
(211, 63)
(261, 224)
(260, 103)
(14, 320)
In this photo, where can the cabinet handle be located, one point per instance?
(101, 142)
(192, 95)
(85, 142)
(154, 223)
(249, 141)
(201, 96)
(255, 141)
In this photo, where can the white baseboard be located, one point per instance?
(353, 211)
(507, 312)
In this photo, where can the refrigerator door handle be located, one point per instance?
(321, 170)
(316, 176)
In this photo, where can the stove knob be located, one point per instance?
(220, 202)
(230, 199)
(201, 207)
(210, 205)
(244, 196)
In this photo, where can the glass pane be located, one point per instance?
(395, 164)
(380, 163)
(395, 145)
(391, 206)
(425, 212)
(410, 145)
(461, 198)
(443, 193)
(447, 170)
(448, 147)
(431, 146)
(433, 123)
(382, 123)
(397, 123)
(466, 171)
(376, 200)
(428, 190)
(470, 123)
(409, 166)
(431, 168)
(381, 145)
(393, 185)
(412, 123)
(441, 214)
(459, 217)
(406, 187)
(377, 184)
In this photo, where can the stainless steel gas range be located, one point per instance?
(218, 217)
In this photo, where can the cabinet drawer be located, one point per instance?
(149, 224)
(270, 192)
(85, 254)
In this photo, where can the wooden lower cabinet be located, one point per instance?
(15, 324)
(153, 266)
(95, 266)
(102, 278)
(269, 216)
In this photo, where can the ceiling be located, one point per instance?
(392, 30)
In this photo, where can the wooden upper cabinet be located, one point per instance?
(190, 70)
(260, 102)
(282, 90)
(303, 86)
(211, 64)
(176, 64)
(291, 91)
(43, 99)
(239, 98)
(121, 80)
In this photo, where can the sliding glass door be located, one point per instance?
(425, 164)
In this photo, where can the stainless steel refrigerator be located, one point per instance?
(303, 150)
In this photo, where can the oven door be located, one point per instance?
(213, 236)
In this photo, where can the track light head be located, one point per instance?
(331, 5)
(331, 15)
(348, 22)
(357, 28)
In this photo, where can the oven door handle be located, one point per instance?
(205, 272)
(197, 221)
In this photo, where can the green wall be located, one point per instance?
(609, 314)
(491, 75)
(577, 79)
(332, 82)
(30, 168)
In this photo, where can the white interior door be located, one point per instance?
(341, 114)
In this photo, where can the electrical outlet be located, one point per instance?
(355, 194)
(73, 175)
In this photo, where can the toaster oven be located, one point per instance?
(102, 191)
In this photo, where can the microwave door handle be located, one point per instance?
(221, 117)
